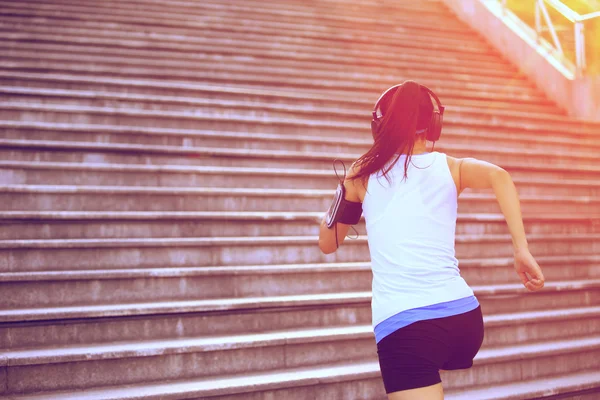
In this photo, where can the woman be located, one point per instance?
(425, 316)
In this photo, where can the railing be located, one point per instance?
(578, 20)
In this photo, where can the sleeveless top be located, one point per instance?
(411, 229)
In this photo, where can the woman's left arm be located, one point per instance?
(326, 235)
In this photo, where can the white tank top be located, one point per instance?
(410, 228)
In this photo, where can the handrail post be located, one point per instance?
(580, 48)
(538, 22)
(550, 26)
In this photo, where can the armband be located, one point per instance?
(342, 210)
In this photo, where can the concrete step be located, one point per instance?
(108, 323)
(455, 138)
(125, 253)
(529, 179)
(360, 380)
(137, 362)
(132, 154)
(66, 288)
(33, 225)
(165, 199)
(181, 90)
(461, 116)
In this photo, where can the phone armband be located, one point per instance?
(342, 210)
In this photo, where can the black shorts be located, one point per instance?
(412, 356)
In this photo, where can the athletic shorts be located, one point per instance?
(412, 356)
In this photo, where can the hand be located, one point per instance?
(528, 270)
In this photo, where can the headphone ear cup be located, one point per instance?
(435, 127)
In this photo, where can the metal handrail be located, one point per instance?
(591, 15)
(571, 15)
(559, 6)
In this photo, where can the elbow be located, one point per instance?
(326, 248)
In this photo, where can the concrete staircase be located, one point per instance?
(162, 167)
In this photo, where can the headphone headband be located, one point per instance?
(434, 129)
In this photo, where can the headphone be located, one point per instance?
(434, 130)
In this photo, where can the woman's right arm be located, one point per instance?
(479, 174)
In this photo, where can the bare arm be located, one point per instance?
(479, 174)
(327, 236)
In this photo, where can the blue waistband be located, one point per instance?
(439, 310)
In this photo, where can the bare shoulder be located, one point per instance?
(453, 166)
(355, 188)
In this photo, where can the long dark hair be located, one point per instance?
(410, 109)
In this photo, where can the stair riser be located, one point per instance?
(200, 227)
(453, 136)
(167, 179)
(571, 167)
(64, 259)
(511, 371)
(531, 332)
(58, 293)
(364, 388)
(72, 375)
(185, 201)
(178, 325)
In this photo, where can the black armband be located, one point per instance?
(342, 210)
